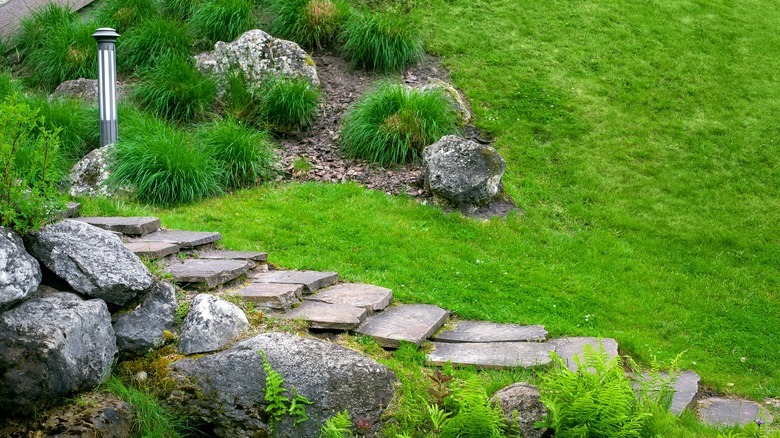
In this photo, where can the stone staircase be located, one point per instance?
(326, 304)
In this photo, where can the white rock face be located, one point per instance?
(88, 176)
(210, 324)
(20, 273)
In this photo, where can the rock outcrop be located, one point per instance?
(20, 273)
(88, 177)
(84, 89)
(143, 327)
(210, 324)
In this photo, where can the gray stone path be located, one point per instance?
(311, 280)
(185, 239)
(152, 250)
(279, 297)
(480, 331)
(372, 298)
(409, 322)
(492, 354)
(329, 316)
(567, 348)
(207, 273)
(260, 257)
(729, 411)
(130, 226)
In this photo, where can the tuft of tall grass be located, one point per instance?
(124, 14)
(310, 23)
(245, 154)
(177, 9)
(152, 419)
(142, 45)
(36, 27)
(288, 103)
(8, 85)
(241, 100)
(381, 41)
(173, 88)
(163, 164)
(392, 124)
(222, 20)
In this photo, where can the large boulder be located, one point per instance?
(461, 172)
(258, 54)
(227, 389)
(521, 406)
(210, 324)
(84, 89)
(143, 327)
(88, 176)
(92, 261)
(20, 273)
(53, 344)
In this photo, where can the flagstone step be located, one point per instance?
(329, 316)
(567, 348)
(259, 257)
(207, 273)
(129, 226)
(372, 298)
(721, 411)
(278, 297)
(410, 322)
(492, 354)
(152, 250)
(184, 239)
(311, 280)
(72, 209)
(482, 331)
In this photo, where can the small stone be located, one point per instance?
(410, 322)
(520, 403)
(329, 316)
(210, 324)
(480, 331)
(372, 298)
(141, 376)
(492, 354)
(731, 411)
(72, 209)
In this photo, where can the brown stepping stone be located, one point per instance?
(567, 348)
(410, 322)
(329, 316)
(152, 250)
(130, 226)
(208, 273)
(185, 239)
(481, 331)
(271, 296)
(372, 298)
(311, 280)
(731, 411)
(492, 354)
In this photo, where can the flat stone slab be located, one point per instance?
(329, 316)
(209, 273)
(130, 226)
(686, 388)
(260, 257)
(271, 296)
(72, 209)
(410, 322)
(492, 354)
(731, 411)
(185, 239)
(567, 348)
(481, 331)
(372, 298)
(152, 250)
(311, 280)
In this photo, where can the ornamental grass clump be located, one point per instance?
(75, 123)
(222, 20)
(177, 9)
(287, 103)
(124, 14)
(36, 27)
(392, 124)
(173, 88)
(143, 45)
(381, 41)
(310, 23)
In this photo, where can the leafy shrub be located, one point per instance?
(124, 14)
(222, 20)
(245, 154)
(381, 41)
(142, 45)
(35, 28)
(475, 415)
(310, 23)
(163, 164)
(288, 103)
(173, 88)
(28, 197)
(392, 123)
(177, 9)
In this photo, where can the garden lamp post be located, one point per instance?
(106, 56)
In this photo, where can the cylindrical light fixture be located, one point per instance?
(106, 56)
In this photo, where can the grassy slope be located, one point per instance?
(640, 141)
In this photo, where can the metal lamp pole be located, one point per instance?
(106, 56)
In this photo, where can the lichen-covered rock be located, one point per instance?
(51, 345)
(452, 95)
(227, 389)
(20, 273)
(521, 405)
(84, 89)
(258, 54)
(462, 172)
(143, 327)
(88, 176)
(210, 324)
(92, 261)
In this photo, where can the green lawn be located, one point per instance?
(640, 142)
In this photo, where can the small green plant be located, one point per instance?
(381, 41)
(222, 20)
(288, 103)
(124, 14)
(475, 415)
(142, 45)
(173, 88)
(441, 387)
(245, 154)
(392, 123)
(438, 416)
(280, 404)
(301, 166)
(310, 23)
(337, 426)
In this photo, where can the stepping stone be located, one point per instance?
(72, 209)
(368, 296)
(567, 348)
(492, 354)
(329, 316)
(731, 411)
(208, 273)
(311, 280)
(481, 331)
(686, 388)
(130, 226)
(152, 250)
(271, 296)
(185, 239)
(260, 257)
(410, 322)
